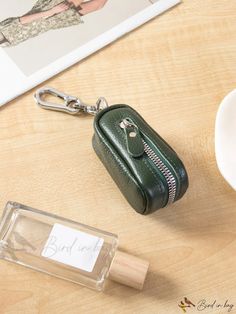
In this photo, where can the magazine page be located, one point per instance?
(39, 38)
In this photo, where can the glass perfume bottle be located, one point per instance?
(66, 249)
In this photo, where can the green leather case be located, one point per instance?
(145, 168)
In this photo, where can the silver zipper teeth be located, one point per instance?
(170, 179)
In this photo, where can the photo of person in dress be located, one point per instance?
(45, 15)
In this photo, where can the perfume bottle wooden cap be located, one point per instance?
(129, 270)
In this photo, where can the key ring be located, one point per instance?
(71, 105)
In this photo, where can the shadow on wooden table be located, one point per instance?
(154, 288)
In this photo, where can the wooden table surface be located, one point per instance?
(175, 71)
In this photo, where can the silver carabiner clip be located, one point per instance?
(71, 104)
(67, 106)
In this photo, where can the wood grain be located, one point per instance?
(175, 70)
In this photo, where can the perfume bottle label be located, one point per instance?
(72, 247)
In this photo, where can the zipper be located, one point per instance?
(136, 146)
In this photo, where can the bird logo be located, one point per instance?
(184, 305)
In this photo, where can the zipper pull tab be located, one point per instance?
(134, 141)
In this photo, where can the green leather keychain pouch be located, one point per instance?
(145, 168)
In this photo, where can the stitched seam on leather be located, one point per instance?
(157, 178)
(144, 160)
(151, 170)
(123, 136)
(117, 127)
(169, 159)
(180, 179)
